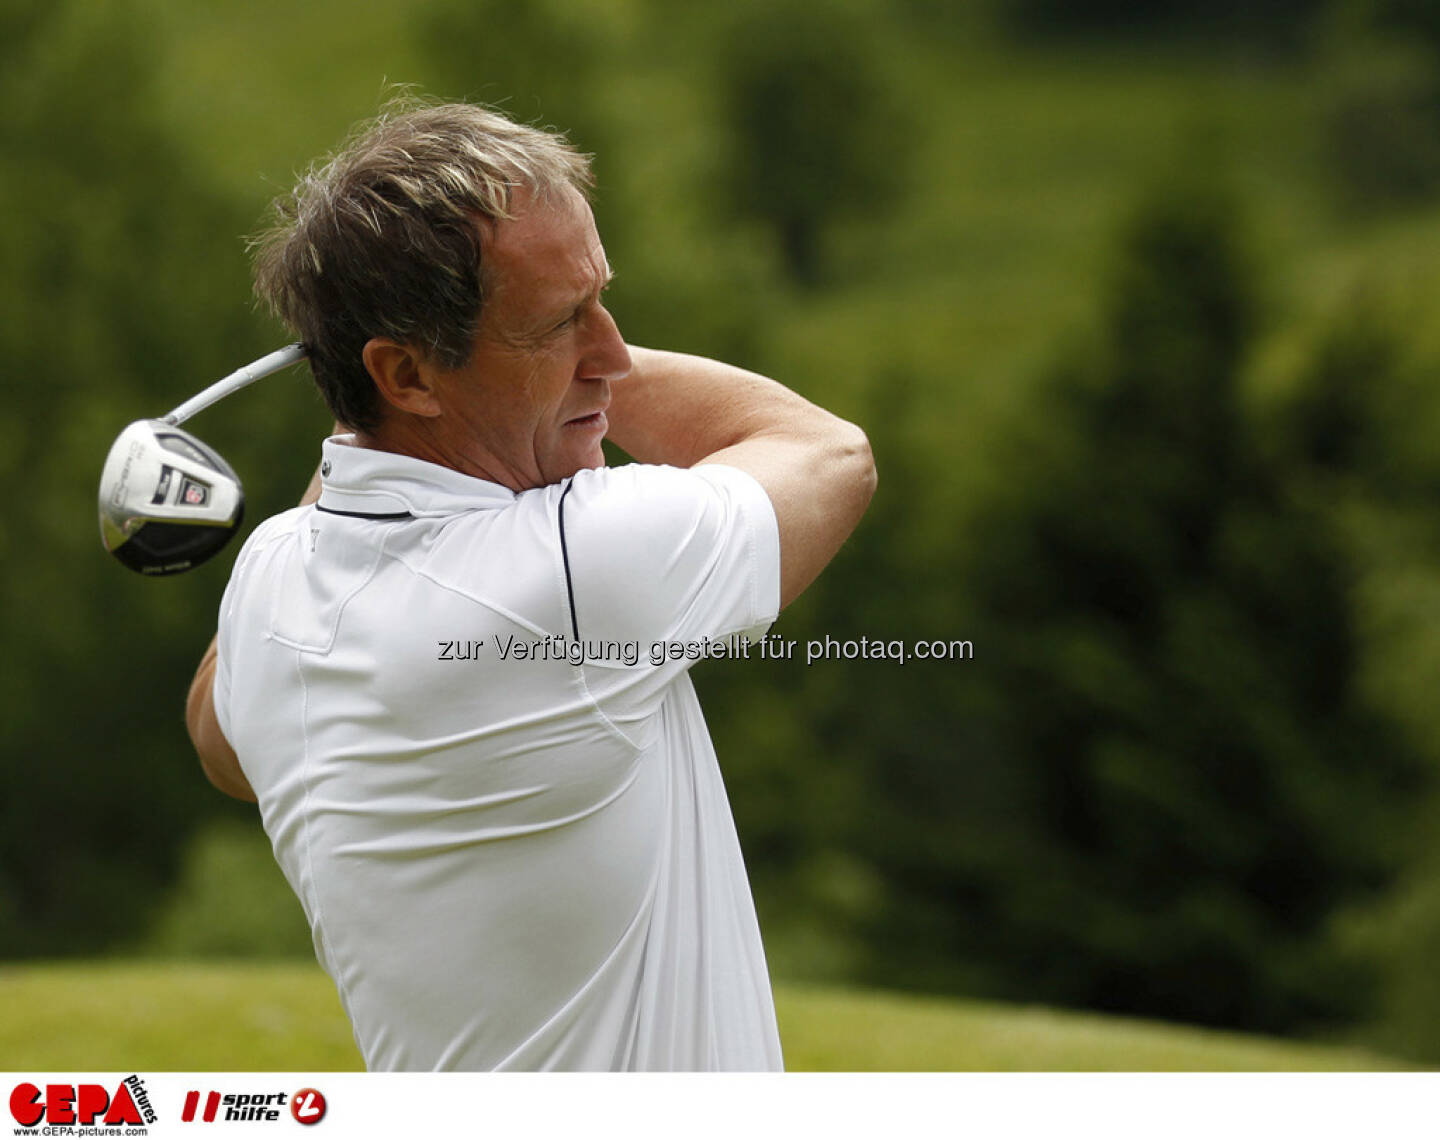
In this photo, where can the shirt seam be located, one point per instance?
(585, 693)
(329, 644)
(561, 565)
(451, 587)
(307, 822)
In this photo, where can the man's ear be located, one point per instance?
(405, 380)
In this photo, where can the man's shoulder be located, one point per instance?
(275, 529)
(652, 550)
(653, 492)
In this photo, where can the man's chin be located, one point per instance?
(595, 462)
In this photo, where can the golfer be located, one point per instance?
(517, 860)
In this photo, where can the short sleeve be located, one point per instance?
(667, 553)
(221, 687)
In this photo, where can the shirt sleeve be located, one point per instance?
(225, 635)
(660, 553)
(221, 686)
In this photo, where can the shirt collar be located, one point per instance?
(362, 480)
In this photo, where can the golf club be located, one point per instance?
(168, 502)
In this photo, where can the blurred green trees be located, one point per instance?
(113, 281)
(1361, 425)
(1174, 654)
(541, 61)
(124, 286)
(816, 131)
(1280, 25)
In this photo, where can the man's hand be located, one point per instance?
(816, 468)
(217, 758)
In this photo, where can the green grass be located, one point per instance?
(267, 1016)
(833, 1029)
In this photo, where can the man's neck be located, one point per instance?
(416, 437)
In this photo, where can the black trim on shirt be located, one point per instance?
(565, 557)
(362, 515)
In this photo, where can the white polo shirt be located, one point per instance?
(508, 862)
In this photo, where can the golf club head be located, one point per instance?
(168, 502)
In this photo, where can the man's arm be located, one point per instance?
(217, 758)
(816, 468)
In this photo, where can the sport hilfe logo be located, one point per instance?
(82, 1104)
(307, 1106)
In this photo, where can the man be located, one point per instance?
(511, 855)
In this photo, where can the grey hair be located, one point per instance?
(381, 240)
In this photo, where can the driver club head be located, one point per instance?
(168, 502)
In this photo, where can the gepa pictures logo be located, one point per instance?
(83, 1104)
(307, 1106)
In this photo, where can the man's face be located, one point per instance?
(534, 392)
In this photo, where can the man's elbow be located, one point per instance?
(217, 759)
(220, 765)
(857, 460)
(225, 779)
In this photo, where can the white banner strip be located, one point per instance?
(722, 1107)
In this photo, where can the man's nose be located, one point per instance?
(609, 356)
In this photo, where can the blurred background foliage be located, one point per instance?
(1138, 303)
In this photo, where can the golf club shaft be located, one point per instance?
(256, 370)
